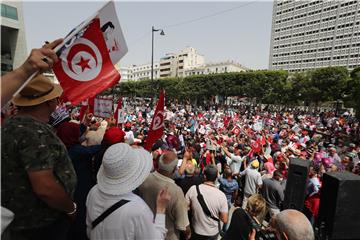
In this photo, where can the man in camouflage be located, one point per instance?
(37, 176)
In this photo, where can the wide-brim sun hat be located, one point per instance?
(123, 169)
(39, 90)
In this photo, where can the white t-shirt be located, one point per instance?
(234, 162)
(134, 220)
(216, 202)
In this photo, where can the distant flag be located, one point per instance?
(236, 130)
(116, 114)
(157, 124)
(87, 106)
(256, 146)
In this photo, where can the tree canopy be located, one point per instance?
(264, 86)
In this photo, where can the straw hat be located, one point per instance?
(39, 90)
(123, 169)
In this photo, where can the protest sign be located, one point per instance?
(103, 107)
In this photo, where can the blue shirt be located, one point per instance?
(228, 187)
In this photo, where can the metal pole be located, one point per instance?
(152, 55)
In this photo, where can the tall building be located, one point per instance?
(175, 65)
(314, 34)
(13, 45)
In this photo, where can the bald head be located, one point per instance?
(190, 168)
(168, 162)
(293, 224)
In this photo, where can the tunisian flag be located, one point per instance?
(236, 130)
(84, 68)
(157, 124)
(87, 107)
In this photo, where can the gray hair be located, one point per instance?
(168, 162)
(294, 224)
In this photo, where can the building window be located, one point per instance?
(9, 12)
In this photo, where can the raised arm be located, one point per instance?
(40, 60)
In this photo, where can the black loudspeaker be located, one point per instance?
(339, 213)
(296, 184)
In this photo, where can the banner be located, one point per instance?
(103, 107)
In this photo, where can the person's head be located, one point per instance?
(227, 173)
(236, 151)
(69, 133)
(256, 205)
(332, 151)
(167, 163)
(40, 96)
(278, 175)
(113, 135)
(314, 171)
(269, 167)
(123, 169)
(255, 164)
(292, 225)
(210, 173)
(189, 169)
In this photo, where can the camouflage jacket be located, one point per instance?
(30, 145)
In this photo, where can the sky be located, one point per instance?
(219, 30)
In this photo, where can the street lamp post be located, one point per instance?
(152, 51)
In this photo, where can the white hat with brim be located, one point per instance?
(123, 169)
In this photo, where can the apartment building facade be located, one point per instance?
(314, 34)
(138, 72)
(175, 65)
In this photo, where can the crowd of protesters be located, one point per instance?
(216, 172)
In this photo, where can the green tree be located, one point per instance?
(328, 84)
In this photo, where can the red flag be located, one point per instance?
(85, 68)
(236, 130)
(87, 106)
(119, 106)
(256, 146)
(157, 124)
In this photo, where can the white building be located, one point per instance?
(313, 34)
(13, 44)
(221, 67)
(139, 72)
(185, 63)
(175, 65)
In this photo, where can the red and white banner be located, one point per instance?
(157, 124)
(84, 68)
(103, 107)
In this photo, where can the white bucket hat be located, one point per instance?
(123, 169)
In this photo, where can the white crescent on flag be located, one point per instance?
(158, 120)
(80, 58)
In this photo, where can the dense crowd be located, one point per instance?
(217, 172)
